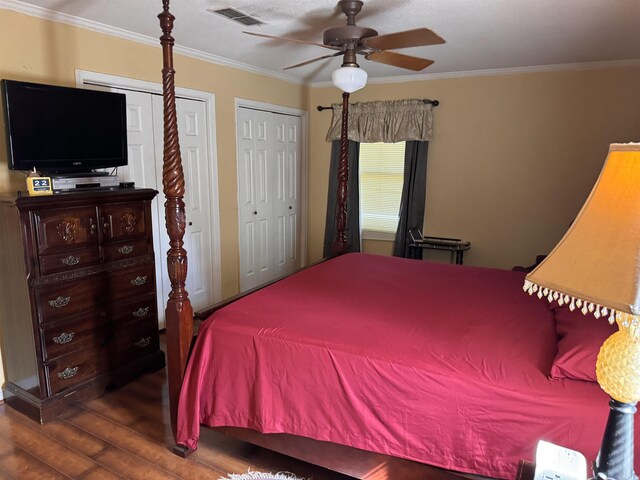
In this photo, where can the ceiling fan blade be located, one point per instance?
(409, 38)
(312, 60)
(399, 60)
(287, 39)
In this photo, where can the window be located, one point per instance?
(381, 178)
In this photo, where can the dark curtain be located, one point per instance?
(414, 190)
(353, 200)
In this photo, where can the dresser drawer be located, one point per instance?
(70, 370)
(126, 249)
(63, 229)
(62, 300)
(133, 310)
(138, 280)
(83, 332)
(122, 221)
(60, 262)
(136, 339)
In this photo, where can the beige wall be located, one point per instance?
(512, 159)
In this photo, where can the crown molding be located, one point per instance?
(52, 15)
(496, 72)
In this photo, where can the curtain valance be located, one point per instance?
(384, 121)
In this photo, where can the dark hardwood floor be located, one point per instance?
(125, 434)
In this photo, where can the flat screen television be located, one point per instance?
(63, 130)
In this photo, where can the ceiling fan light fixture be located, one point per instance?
(349, 79)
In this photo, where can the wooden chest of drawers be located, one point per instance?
(77, 296)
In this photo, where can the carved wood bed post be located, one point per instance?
(340, 246)
(179, 313)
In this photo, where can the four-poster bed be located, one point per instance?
(376, 374)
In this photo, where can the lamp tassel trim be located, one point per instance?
(626, 320)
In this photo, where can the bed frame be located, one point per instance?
(179, 312)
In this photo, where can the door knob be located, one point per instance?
(190, 223)
(290, 207)
(255, 212)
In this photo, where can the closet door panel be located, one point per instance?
(291, 180)
(255, 197)
(198, 235)
(269, 151)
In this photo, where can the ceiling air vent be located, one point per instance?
(238, 16)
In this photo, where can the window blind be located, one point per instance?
(381, 177)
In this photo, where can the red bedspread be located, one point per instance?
(442, 364)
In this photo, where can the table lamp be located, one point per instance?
(596, 269)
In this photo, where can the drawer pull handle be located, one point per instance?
(70, 260)
(60, 302)
(141, 312)
(92, 227)
(68, 373)
(64, 338)
(106, 226)
(126, 249)
(143, 342)
(139, 280)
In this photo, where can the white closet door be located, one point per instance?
(255, 171)
(198, 234)
(287, 193)
(269, 151)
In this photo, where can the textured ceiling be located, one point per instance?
(480, 34)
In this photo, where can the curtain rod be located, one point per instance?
(435, 103)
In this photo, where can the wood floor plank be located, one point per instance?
(72, 436)
(118, 412)
(39, 445)
(152, 382)
(22, 466)
(150, 417)
(101, 473)
(150, 388)
(132, 467)
(150, 451)
(5, 476)
(149, 420)
(157, 431)
(65, 434)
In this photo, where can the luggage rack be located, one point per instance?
(456, 246)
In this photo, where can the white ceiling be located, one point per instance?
(480, 34)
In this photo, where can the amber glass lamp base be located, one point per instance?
(618, 372)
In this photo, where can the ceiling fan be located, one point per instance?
(351, 39)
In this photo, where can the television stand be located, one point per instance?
(71, 182)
